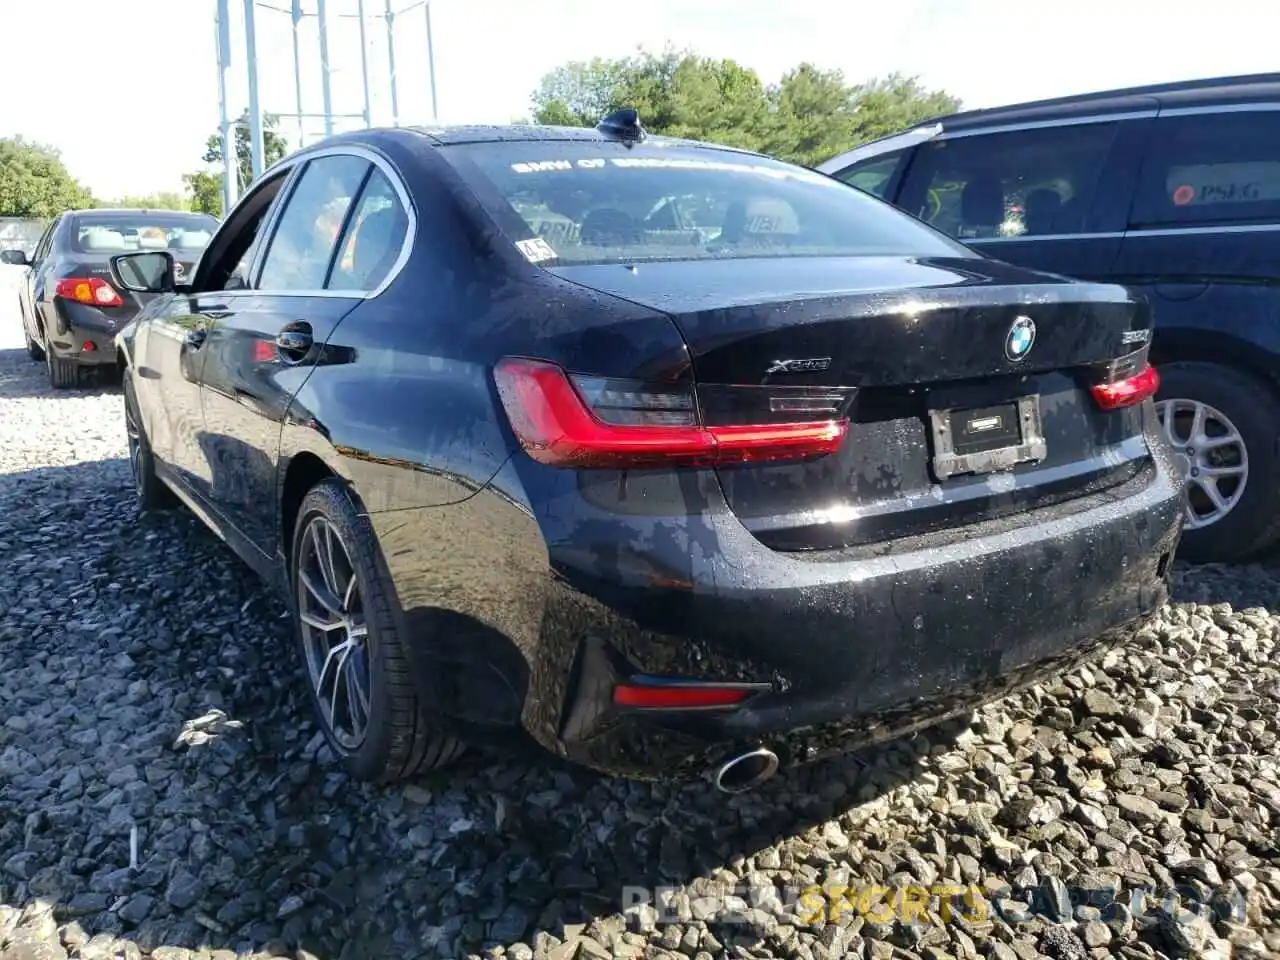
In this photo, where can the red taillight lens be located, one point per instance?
(1127, 392)
(681, 695)
(595, 422)
(91, 290)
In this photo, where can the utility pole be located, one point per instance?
(230, 189)
(391, 64)
(431, 63)
(255, 108)
(326, 92)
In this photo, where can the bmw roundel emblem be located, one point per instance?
(1017, 343)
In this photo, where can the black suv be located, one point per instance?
(1172, 190)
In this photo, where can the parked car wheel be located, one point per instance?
(355, 658)
(63, 374)
(1222, 424)
(149, 490)
(34, 350)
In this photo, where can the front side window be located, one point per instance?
(307, 231)
(605, 202)
(373, 239)
(1019, 183)
(873, 174)
(112, 233)
(1217, 168)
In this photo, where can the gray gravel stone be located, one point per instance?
(164, 792)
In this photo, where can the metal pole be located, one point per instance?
(324, 69)
(431, 63)
(364, 64)
(297, 67)
(229, 186)
(391, 64)
(255, 109)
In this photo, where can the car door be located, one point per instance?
(32, 287)
(1026, 196)
(259, 355)
(174, 340)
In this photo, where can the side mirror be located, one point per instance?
(150, 272)
(16, 258)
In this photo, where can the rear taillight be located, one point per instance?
(568, 420)
(91, 290)
(1127, 391)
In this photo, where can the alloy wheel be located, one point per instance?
(334, 632)
(1212, 455)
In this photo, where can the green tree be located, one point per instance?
(807, 117)
(166, 200)
(206, 192)
(205, 186)
(35, 183)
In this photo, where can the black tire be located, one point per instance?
(149, 490)
(398, 740)
(63, 373)
(1252, 523)
(34, 350)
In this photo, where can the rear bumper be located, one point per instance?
(76, 326)
(566, 594)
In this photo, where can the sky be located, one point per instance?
(127, 90)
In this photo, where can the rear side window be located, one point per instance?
(307, 232)
(597, 201)
(373, 238)
(1215, 168)
(874, 174)
(1019, 183)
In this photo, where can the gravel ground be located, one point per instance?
(163, 791)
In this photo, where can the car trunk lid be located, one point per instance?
(967, 384)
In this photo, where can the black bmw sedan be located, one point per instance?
(670, 458)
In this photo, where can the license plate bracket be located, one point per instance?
(977, 440)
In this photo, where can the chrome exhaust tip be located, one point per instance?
(746, 770)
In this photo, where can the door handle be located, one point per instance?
(195, 339)
(294, 341)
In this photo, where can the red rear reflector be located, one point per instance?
(556, 426)
(91, 290)
(88, 346)
(264, 351)
(1127, 392)
(676, 696)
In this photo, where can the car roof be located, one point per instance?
(1128, 101)
(110, 212)
(1185, 93)
(532, 132)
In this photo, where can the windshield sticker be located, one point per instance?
(1252, 181)
(664, 163)
(537, 250)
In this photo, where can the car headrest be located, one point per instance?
(1041, 209)
(982, 202)
(99, 239)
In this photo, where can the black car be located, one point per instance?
(1171, 190)
(70, 309)
(674, 457)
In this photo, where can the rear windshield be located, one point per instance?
(602, 202)
(116, 233)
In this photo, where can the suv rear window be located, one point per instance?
(1215, 168)
(1025, 182)
(109, 234)
(605, 202)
